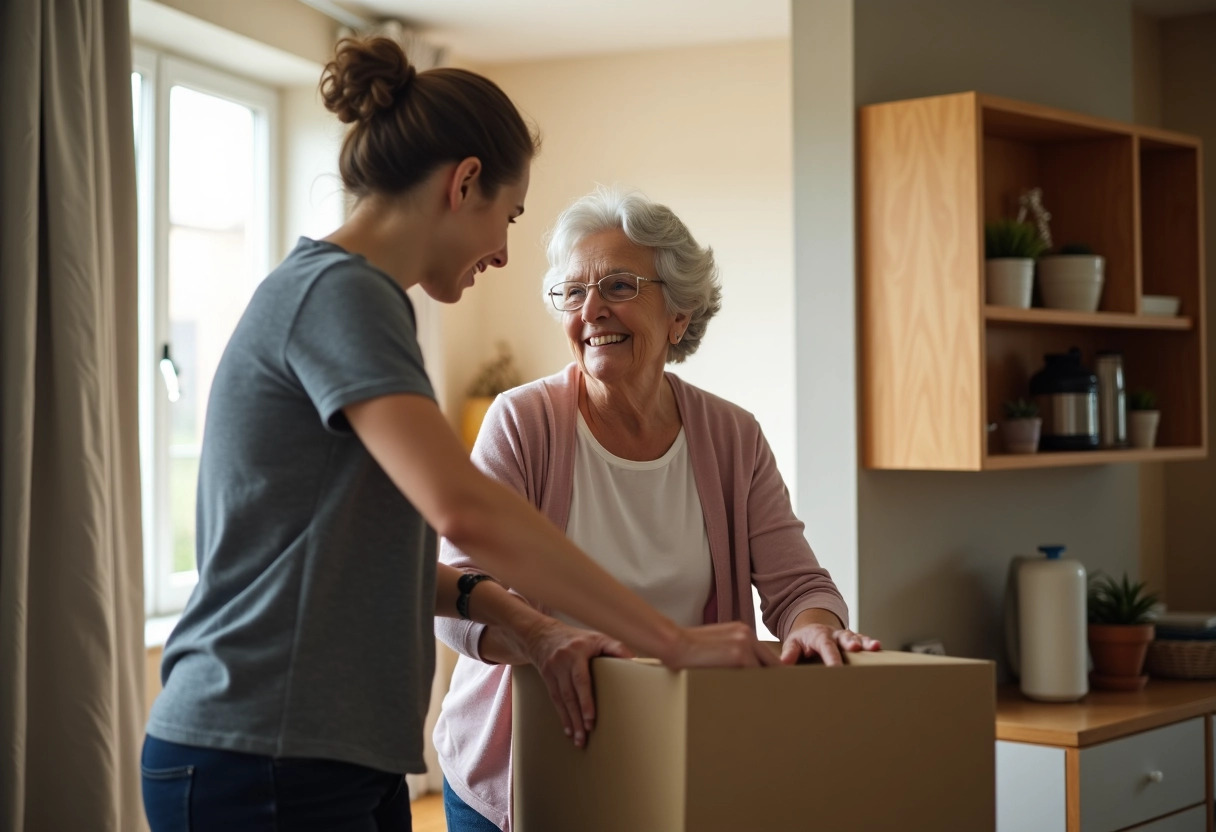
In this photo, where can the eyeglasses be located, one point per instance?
(570, 295)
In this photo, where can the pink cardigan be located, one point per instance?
(527, 442)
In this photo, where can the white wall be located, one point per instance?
(825, 307)
(934, 547)
(312, 201)
(705, 130)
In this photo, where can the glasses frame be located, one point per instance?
(597, 285)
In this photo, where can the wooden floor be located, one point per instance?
(428, 814)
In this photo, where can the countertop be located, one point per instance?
(1101, 715)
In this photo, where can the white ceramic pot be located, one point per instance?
(1142, 427)
(1071, 281)
(1021, 436)
(1008, 281)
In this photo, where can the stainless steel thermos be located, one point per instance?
(1112, 401)
(1067, 395)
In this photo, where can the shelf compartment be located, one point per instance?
(1087, 173)
(1058, 317)
(1170, 231)
(1164, 361)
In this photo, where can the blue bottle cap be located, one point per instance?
(1052, 552)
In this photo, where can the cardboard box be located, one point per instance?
(893, 741)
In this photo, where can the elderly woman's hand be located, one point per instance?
(818, 633)
(563, 656)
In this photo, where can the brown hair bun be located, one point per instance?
(405, 124)
(365, 78)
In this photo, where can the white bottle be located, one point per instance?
(1051, 627)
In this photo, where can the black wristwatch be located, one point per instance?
(465, 586)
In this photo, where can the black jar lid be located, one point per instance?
(1063, 373)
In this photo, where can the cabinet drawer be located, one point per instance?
(1192, 820)
(1144, 776)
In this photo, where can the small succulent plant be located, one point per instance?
(1118, 602)
(1021, 409)
(1010, 238)
(1142, 400)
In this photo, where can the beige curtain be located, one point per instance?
(71, 582)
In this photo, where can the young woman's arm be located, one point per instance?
(414, 445)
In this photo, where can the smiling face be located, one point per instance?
(475, 238)
(619, 342)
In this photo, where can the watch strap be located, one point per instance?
(464, 586)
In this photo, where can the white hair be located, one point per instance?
(689, 274)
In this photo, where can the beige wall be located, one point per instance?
(1146, 69)
(705, 130)
(934, 547)
(1188, 74)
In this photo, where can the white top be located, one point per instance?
(642, 521)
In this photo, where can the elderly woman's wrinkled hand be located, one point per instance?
(563, 656)
(726, 644)
(824, 641)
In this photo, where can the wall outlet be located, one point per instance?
(932, 647)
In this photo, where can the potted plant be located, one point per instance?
(495, 376)
(1119, 631)
(1020, 429)
(1010, 249)
(1072, 278)
(1142, 418)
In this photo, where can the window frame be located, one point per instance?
(166, 592)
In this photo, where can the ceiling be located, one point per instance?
(492, 31)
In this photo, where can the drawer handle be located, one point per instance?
(1155, 776)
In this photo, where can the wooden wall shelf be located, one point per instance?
(1059, 317)
(1059, 459)
(938, 362)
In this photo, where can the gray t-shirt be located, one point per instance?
(310, 633)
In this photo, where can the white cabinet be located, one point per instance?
(1154, 778)
(1112, 762)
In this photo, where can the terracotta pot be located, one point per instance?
(1118, 651)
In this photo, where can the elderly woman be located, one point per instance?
(670, 488)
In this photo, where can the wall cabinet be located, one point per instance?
(938, 361)
(1114, 761)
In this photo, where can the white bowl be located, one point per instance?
(1160, 305)
(1071, 281)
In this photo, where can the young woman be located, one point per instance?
(296, 683)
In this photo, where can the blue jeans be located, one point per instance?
(191, 789)
(461, 816)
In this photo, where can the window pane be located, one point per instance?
(211, 273)
(137, 85)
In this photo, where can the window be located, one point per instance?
(202, 143)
